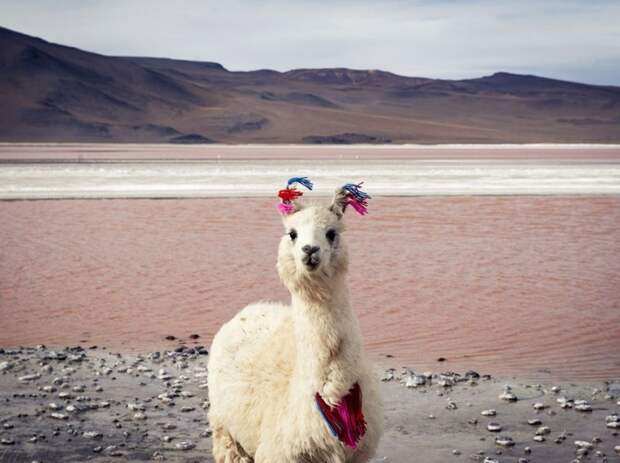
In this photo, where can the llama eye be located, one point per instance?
(330, 235)
(293, 234)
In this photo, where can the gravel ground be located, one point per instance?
(76, 405)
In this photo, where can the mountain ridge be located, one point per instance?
(57, 93)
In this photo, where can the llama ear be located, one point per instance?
(340, 202)
(352, 195)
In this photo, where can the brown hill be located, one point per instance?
(50, 92)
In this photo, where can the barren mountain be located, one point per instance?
(50, 92)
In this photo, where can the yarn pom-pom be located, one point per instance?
(356, 192)
(286, 208)
(305, 181)
(360, 207)
(289, 194)
(357, 198)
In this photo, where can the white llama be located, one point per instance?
(284, 380)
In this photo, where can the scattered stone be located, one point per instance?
(4, 366)
(538, 438)
(139, 416)
(170, 338)
(543, 430)
(414, 380)
(194, 336)
(508, 395)
(31, 377)
(489, 412)
(534, 422)
(456, 452)
(583, 444)
(494, 427)
(59, 416)
(527, 450)
(504, 441)
(583, 407)
(92, 435)
(7, 441)
(539, 406)
(185, 445)
(388, 375)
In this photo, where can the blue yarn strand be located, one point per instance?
(355, 191)
(305, 181)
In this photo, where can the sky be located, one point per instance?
(577, 40)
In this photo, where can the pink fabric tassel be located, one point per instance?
(345, 420)
(359, 206)
(286, 208)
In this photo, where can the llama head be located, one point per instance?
(312, 251)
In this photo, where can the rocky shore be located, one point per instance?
(87, 404)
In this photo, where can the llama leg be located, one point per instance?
(226, 449)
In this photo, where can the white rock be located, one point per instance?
(59, 416)
(539, 406)
(543, 430)
(54, 406)
(504, 441)
(582, 444)
(31, 377)
(92, 435)
(556, 389)
(490, 460)
(494, 427)
(185, 445)
(613, 425)
(612, 418)
(413, 381)
(5, 366)
(489, 412)
(534, 422)
(136, 407)
(583, 407)
(508, 395)
(617, 447)
(139, 416)
(539, 438)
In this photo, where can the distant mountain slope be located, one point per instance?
(50, 92)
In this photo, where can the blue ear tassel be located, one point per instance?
(354, 190)
(305, 181)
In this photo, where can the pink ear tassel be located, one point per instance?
(286, 208)
(359, 206)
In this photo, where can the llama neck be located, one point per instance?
(328, 342)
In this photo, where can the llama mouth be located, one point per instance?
(311, 266)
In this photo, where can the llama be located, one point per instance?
(290, 383)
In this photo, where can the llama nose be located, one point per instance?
(310, 249)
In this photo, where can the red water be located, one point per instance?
(507, 285)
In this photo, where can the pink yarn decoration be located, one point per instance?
(345, 420)
(286, 208)
(360, 207)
